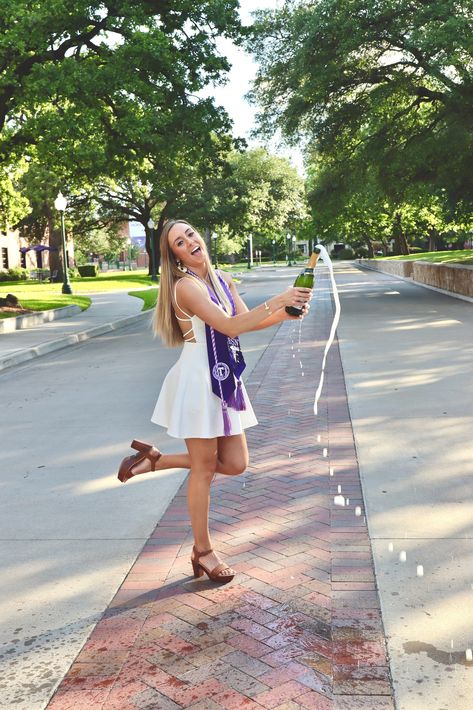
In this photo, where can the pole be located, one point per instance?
(274, 251)
(250, 251)
(66, 285)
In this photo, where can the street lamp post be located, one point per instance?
(151, 241)
(294, 250)
(250, 251)
(214, 250)
(274, 251)
(288, 237)
(60, 203)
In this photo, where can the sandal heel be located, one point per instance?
(140, 445)
(198, 571)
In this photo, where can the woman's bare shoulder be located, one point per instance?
(187, 286)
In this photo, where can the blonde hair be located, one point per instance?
(165, 323)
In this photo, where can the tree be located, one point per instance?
(393, 77)
(96, 92)
(104, 57)
(262, 194)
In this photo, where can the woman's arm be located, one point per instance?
(194, 299)
(277, 317)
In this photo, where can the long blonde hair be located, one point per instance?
(165, 323)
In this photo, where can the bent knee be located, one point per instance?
(237, 468)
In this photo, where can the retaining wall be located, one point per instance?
(448, 277)
(395, 268)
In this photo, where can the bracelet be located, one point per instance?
(268, 309)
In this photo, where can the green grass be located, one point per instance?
(458, 256)
(45, 304)
(149, 297)
(114, 281)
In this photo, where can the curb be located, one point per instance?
(9, 325)
(73, 339)
(410, 280)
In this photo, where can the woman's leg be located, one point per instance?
(232, 452)
(232, 457)
(203, 456)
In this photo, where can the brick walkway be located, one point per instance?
(300, 625)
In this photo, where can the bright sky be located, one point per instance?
(231, 96)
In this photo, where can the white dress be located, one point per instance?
(186, 405)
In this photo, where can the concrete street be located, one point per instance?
(407, 354)
(70, 531)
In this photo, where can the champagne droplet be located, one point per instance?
(339, 489)
(403, 556)
(339, 500)
(331, 473)
(357, 511)
(420, 570)
(318, 438)
(391, 547)
(469, 654)
(324, 453)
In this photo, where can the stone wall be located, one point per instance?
(448, 277)
(395, 268)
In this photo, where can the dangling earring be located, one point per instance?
(181, 267)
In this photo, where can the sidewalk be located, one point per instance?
(300, 625)
(108, 311)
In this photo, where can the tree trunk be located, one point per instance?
(369, 244)
(55, 242)
(433, 240)
(400, 242)
(157, 236)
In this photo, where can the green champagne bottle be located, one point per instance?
(304, 280)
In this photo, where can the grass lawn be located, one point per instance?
(46, 301)
(149, 297)
(44, 296)
(458, 256)
(110, 281)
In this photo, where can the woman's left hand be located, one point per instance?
(305, 309)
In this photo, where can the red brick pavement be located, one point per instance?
(300, 625)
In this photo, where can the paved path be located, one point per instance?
(107, 312)
(69, 530)
(407, 354)
(300, 625)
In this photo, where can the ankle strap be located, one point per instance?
(201, 554)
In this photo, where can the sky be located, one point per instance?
(231, 96)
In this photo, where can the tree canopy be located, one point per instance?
(383, 88)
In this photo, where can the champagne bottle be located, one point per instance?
(304, 280)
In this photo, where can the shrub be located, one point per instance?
(88, 270)
(15, 274)
(346, 253)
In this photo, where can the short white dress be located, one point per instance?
(186, 405)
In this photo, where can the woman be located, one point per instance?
(202, 399)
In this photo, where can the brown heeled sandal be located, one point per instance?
(214, 574)
(125, 472)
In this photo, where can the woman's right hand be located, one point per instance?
(294, 296)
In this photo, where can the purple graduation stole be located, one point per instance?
(226, 362)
